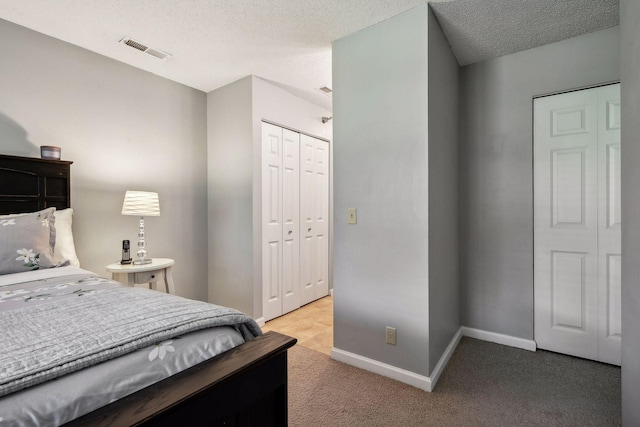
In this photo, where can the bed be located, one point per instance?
(243, 380)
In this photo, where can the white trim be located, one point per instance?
(442, 363)
(260, 321)
(398, 374)
(499, 338)
(420, 381)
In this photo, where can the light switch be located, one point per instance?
(351, 216)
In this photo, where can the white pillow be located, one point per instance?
(64, 247)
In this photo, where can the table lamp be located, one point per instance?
(141, 203)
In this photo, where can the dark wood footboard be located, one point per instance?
(245, 386)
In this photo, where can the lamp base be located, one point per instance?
(142, 261)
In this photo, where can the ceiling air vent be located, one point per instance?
(128, 41)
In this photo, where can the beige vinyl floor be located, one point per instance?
(311, 324)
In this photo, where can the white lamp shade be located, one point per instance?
(141, 203)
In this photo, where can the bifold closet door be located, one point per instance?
(280, 220)
(577, 223)
(609, 225)
(314, 213)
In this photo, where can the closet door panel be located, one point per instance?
(272, 226)
(609, 224)
(307, 202)
(321, 217)
(290, 220)
(314, 212)
(565, 224)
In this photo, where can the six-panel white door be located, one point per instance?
(280, 220)
(577, 223)
(295, 210)
(314, 213)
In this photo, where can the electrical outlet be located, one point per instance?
(391, 335)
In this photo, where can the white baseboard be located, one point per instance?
(442, 363)
(420, 381)
(260, 321)
(499, 338)
(390, 371)
(399, 374)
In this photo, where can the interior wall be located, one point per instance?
(630, 91)
(496, 171)
(124, 129)
(444, 295)
(230, 209)
(381, 264)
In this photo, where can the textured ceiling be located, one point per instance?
(481, 29)
(288, 42)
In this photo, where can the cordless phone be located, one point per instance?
(126, 255)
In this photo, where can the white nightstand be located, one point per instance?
(158, 270)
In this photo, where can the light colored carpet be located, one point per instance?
(484, 384)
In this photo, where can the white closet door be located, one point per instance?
(280, 220)
(577, 224)
(321, 232)
(290, 220)
(272, 221)
(609, 224)
(565, 230)
(314, 212)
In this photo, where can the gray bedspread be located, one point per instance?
(75, 322)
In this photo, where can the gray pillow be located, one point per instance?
(27, 241)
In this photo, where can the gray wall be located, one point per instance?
(444, 296)
(496, 189)
(230, 178)
(234, 117)
(630, 89)
(381, 264)
(124, 129)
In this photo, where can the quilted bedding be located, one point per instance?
(60, 325)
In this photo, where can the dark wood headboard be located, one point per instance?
(30, 184)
